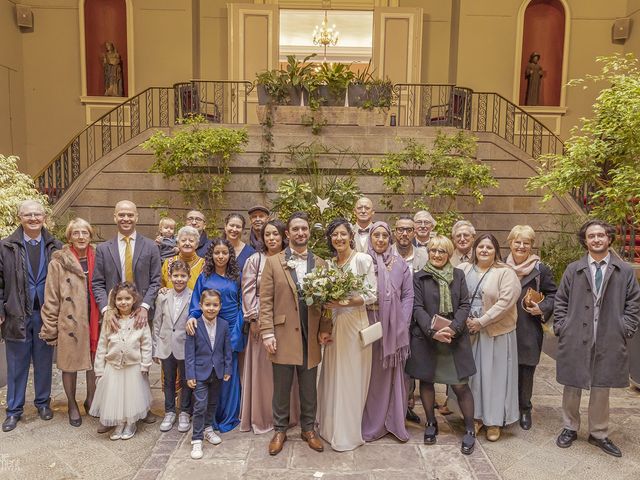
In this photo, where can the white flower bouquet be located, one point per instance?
(330, 284)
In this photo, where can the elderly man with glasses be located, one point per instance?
(424, 224)
(24, 260)
(196, 219)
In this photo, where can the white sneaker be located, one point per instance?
(196, 449)
(167, 422)
(184, 422)
(129, 431)
(211, 436)
(117, 433)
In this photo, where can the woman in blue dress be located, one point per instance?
(221, 273)
(233, 227)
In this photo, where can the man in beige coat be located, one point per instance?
(292, 332)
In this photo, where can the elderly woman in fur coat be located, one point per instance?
(70, 315)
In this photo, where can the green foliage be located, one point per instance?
(449, 171)
(312, 182)
(379, 94)
(559, 250)
(274, 84)
(603, 153)
(15, 187)
(267, 147)
(336, 76)
(198, 158)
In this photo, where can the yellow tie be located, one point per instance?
(128, 260)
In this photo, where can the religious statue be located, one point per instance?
(112, 65)
(533, 74)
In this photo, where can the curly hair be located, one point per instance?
(233, 271)
(609, 229)
(335, 223)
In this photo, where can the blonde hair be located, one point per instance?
(166, 220)
(524, 231)
(440, 241)
(78, 223)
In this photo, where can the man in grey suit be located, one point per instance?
(128, 257)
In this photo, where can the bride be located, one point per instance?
(346, 365)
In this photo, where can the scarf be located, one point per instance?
(526, 267)
(395, 337)
(444, 277)
(94, 313)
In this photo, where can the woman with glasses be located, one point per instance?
(494, 290)
(73, 325)
(442, 355)
(346, 364)
(187, 242)
(384, 411)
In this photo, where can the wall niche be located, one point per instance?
(105, 21)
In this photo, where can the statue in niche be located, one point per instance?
(112, 65)
(533, 74)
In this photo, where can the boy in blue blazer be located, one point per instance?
(207, 363)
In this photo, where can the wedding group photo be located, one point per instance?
(369, 239)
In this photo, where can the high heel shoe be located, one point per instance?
(468, 442)
(431, 433)
(75, 422)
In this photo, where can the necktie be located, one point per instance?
(362, 231)
(128, 260)
(33, 242)
(598, 275)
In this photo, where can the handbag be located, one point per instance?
(438, 322)
(532, 296)
(370, 334)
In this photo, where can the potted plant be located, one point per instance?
(298, 77)
(379, 93)
(357, 90)
(271, 88)
(333, 80)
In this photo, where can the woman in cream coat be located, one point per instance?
(494, 289)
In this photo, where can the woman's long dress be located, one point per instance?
(244, 255)
(346, 368)
(495, 384)
(387, 397)
(257, 376)
(228, 412)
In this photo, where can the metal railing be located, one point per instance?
(452, 106)
(155, 107)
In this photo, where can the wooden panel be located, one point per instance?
(397, 43)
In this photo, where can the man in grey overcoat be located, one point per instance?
(597, 310)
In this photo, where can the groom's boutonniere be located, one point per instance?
(291, 263)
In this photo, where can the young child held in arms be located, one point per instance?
(122, 366)
(166, 240)
(172, 310)
(207, 362)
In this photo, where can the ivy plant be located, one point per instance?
(198, 157)
(602, 153)
(433, 178)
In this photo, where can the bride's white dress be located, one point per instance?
(346, 368)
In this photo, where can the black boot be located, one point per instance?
(525, 419)
(468, 442)
(431, 433)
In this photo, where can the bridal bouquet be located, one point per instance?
(330, 284)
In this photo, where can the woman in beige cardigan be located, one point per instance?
(494, 289)
(70, 316)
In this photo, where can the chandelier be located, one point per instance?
(325, 36)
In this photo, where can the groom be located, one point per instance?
(292, 332)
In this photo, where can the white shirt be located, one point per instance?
(361, 239)
(178, 302)
(301, 266)
(211, 330)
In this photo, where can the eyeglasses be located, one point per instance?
(437, 251)
(195, 219)
(32, 215)
(423, 223)
(79, 234)
(404, 229)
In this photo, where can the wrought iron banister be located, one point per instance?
(155, 107)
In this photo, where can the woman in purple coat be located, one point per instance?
(386, 403)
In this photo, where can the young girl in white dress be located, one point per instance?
(122, 363)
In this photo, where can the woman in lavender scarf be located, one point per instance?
(387, 397)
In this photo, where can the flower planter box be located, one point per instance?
(289, 115)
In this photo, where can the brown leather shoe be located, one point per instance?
(277, 442)
(313, 440)
(104, 428)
